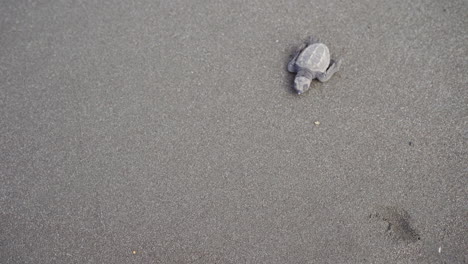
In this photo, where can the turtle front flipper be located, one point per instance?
(334, 67)
(292, 63)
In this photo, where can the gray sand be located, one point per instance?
(170, 129)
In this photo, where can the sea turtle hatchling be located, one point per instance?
(312, 61)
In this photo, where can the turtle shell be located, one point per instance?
(315, 57)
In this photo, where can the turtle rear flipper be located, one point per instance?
(292, 63)
(312, 40)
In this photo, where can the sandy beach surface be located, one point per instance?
(167, 132)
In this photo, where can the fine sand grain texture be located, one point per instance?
(168, 132)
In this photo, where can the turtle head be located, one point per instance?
(302, 84)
